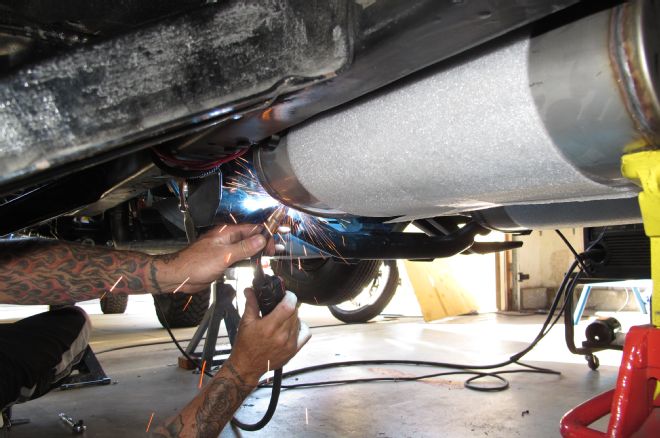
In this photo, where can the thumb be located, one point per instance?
(244, 249)
(251, 311)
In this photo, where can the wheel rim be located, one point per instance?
(370, 293)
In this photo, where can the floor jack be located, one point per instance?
(634, 404)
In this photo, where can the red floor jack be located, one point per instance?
(634, 405)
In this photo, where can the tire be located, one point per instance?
(325, 282)
(114, 303)
(173, 313)
(370, 311)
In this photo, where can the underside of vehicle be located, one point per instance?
(359, 116)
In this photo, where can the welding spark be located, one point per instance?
(227, 259)
(306, 416)
(187, 303)
(103, 296)
(181, 285)
(116, 283)
(201, 375)
(150, 420)
(252, 197)
(222, 229)
(267, 229)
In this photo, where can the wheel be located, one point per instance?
(373, 299)
(178, 312)
(593, 362)
(325, 281)
(114, 303)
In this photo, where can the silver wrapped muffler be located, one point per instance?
(532, 121)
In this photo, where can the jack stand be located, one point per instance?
(634, 404)
(222, 308)
(7, 422)
(90, 373)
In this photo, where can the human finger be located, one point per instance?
(230, 234)
(304, 334)
(244, 249)
(251, 305)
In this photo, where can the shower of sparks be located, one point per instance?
(306, 416)
(116, 283)
(150, 420)
(187, 303)
(201, 375)
(103, 296)
(312, 228)
(222, 229)
(181, 285)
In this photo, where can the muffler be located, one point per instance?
(531, 120)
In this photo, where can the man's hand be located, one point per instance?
(260, 343)
(195, 267)
(267, 342)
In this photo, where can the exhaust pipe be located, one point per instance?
(535, 120)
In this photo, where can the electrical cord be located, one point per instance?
(476, 371)
(577, 256)
(190, 169)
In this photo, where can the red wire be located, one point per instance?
(199, 165)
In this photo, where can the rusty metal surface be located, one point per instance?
(178, 72)
(634, 51)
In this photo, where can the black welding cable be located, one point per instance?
(272, 405)
(152, 343)
(477, 371)
(577, 256)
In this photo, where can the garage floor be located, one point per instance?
(147, 380)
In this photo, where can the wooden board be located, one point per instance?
(453, 286)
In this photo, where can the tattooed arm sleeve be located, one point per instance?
(39, 271)
(208, 413)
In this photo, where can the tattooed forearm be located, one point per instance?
(52, 272)
(220, 402)
(208, 413)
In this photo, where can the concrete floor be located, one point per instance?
(147, 380)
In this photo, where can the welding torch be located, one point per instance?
(268, 289)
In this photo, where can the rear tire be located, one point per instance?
(173, 305)
(369, 311)
(327, 281)
(114, 303)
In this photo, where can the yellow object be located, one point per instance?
(644, 169)
(657, 390)
(443, 288)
